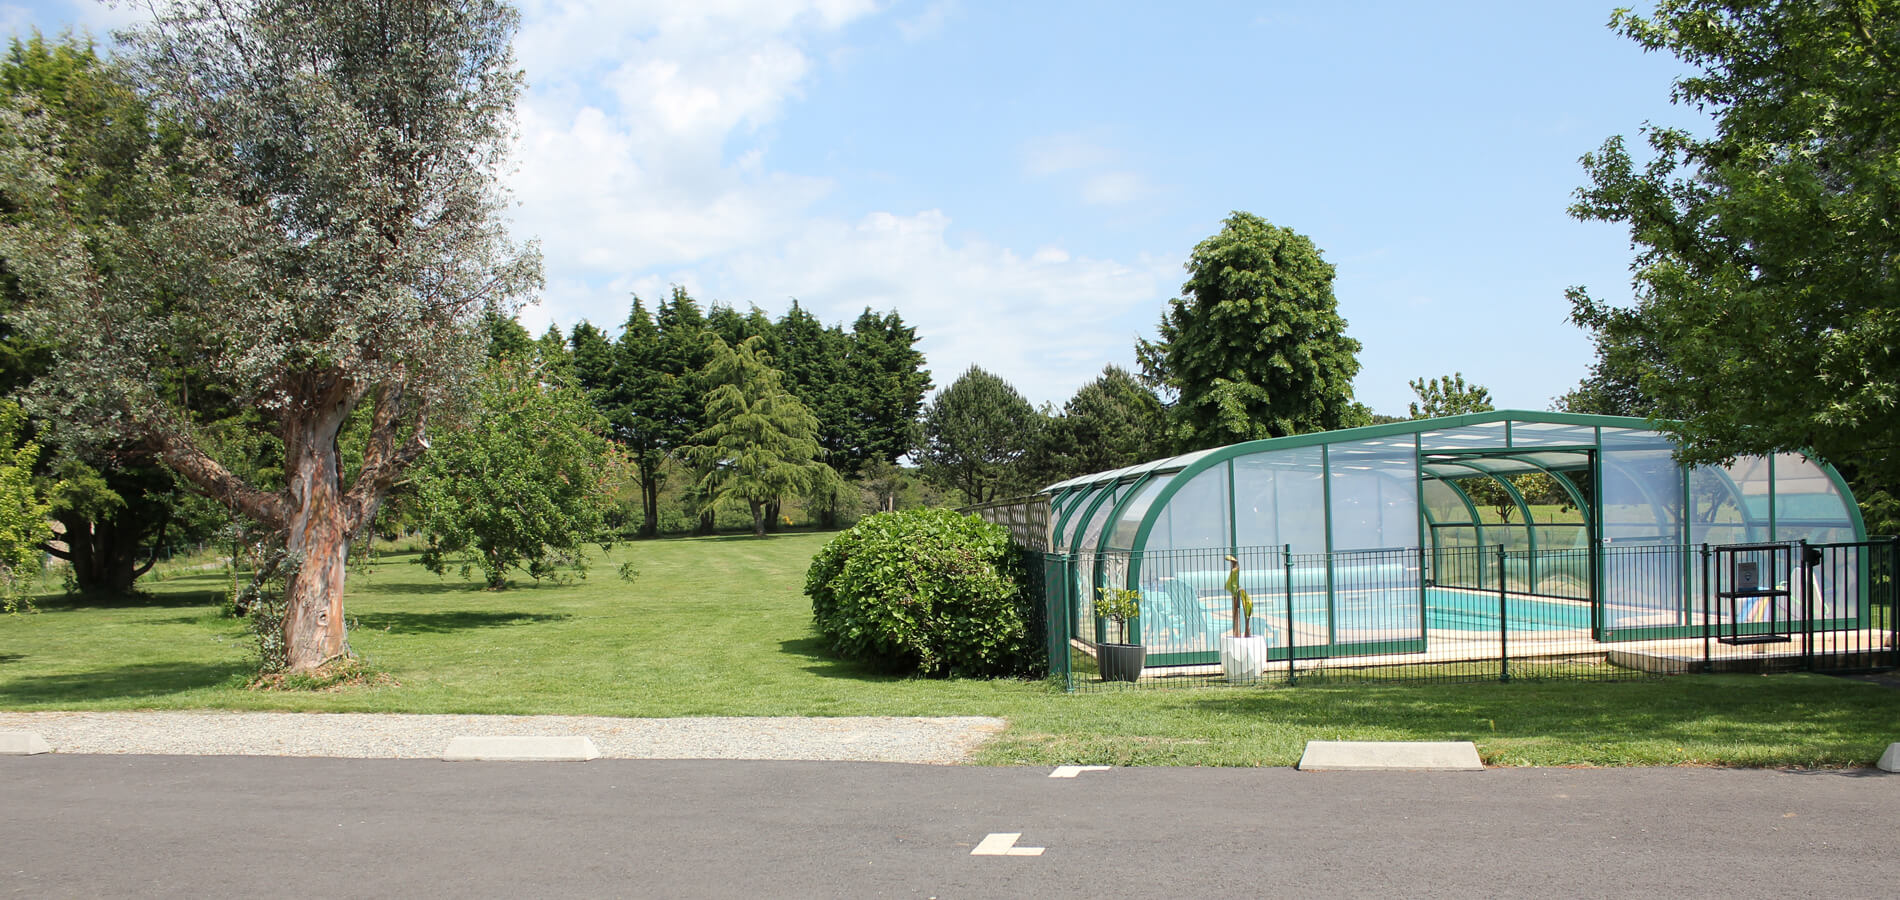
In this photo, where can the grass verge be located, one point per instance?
(719, 626)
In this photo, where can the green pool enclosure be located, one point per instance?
(1403, 538)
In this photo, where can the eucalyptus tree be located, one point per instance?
(325, 237)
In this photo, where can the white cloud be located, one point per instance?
(1114, 189)
(645, 161)
(1056, 154)
(927, 22)
(1044, 322)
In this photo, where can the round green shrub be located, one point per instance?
(923, 591)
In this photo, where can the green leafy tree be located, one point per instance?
(1448, 395)
(976, 435)
(113, 504)
(760, 443)
(23, 526)
(1766, 290)
(1257, 348)
(325, 238)
(525, 483)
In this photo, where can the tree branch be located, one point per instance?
(211, 478)
(383, 460)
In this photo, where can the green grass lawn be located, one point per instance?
(720, 626)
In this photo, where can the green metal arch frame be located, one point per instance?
(1091, 494)
(1107, 492)
(1477, 521)
(1530, 525)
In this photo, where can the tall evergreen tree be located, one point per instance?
(884, 364)
(760, 443)
(678, 401)
(633, 403)
(1111, 422)
(592, 357)
(976, 434)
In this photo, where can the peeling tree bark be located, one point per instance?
(317, 536)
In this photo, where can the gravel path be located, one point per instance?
(944, 740)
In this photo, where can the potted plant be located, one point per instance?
(1243, 654)
(1122, 661)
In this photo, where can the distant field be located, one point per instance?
(720, 626)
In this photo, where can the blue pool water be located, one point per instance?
(1446, 609)
(1456, 610)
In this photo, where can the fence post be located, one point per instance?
(1286, 567)
(1504, 625)
(1807, 604)
(1066, 597)
(1708, 654)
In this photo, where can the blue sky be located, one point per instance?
(1023, 181)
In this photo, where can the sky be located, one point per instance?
(1023, 182)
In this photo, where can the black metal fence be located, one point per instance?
(1262, 615)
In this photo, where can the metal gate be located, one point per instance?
(1833, 605)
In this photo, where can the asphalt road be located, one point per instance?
(174, 826)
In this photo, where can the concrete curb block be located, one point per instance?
(23, 743)
(521, 748)
(1890, 761)
(1385, 756)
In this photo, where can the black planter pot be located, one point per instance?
(1120, 662)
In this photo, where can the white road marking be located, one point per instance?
(1072, 771)
(1004, 845)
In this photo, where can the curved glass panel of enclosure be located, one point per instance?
(1181, 569)
(1128, 524)
(1097, 518)
(1808, 506)
(1374, 487)
(1645, 568)
(1551, 434)
(1490, 434)
(1280, 498)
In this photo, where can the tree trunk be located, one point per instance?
(758, 517)
(317, 541)
(650, 503)
(706, 524)
(103, 553)
(771, 516)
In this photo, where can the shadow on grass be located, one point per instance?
(824, 665)
(10, 658)
(166, 600)
(414, 587)
(120, 683)
(445, 622)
